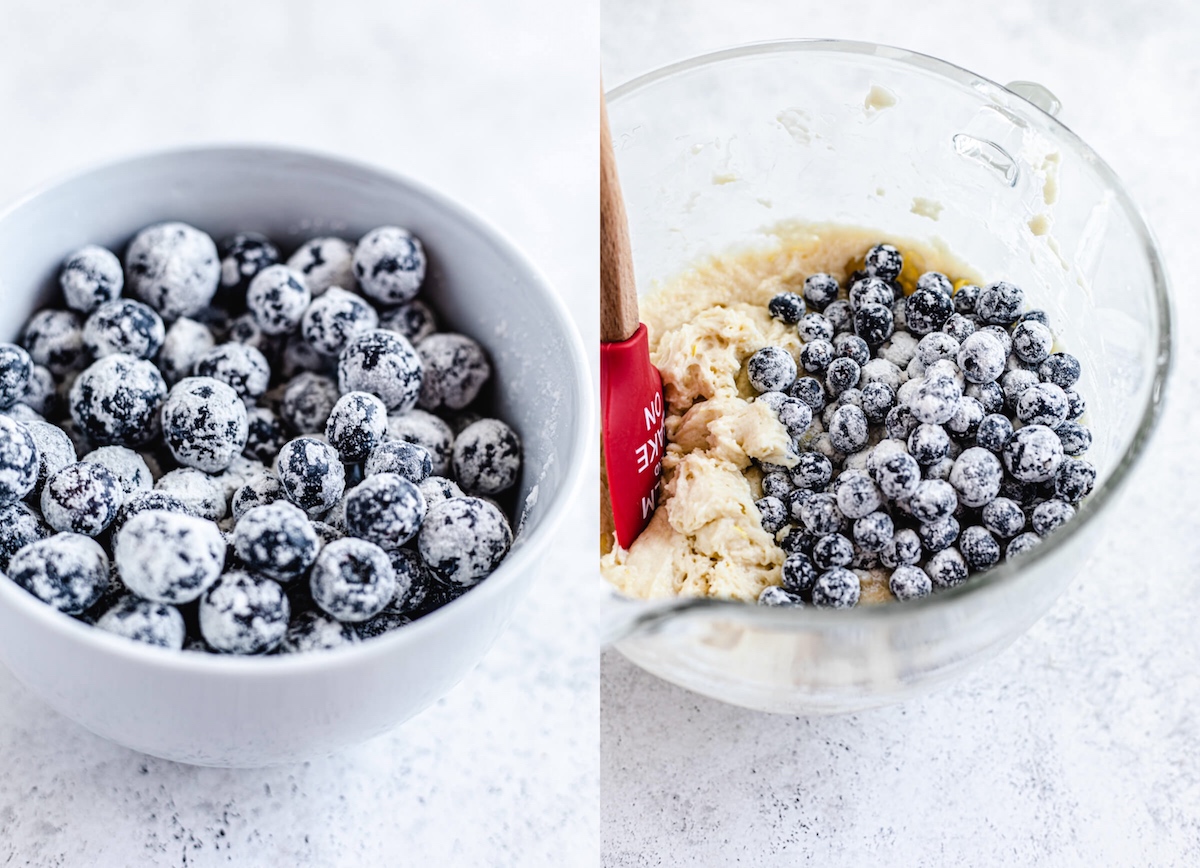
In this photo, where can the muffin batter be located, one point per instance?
(705, 538)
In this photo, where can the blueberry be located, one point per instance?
(904, 548)
(813, 470)
(934, 499)
(947, 568)
(979, 548)
(883, 261)
(775, 596)
(815, 357)
(239, 366)
(935, 281)
(899, 475)
(999, 303)
(414, 581)
(1050, 516)
(124, 326)
(1021, 544)
(356, 426)
(772, 369)
(981, 357)
(1075, 438)
(413, 319)
(244, 614)
(934, 399)
(1061, 369)
(68, 571)
(259, 491)
(1003, 517)
(487, 457)
(174, 268)
(787, 307)
(54, 339)
(832, 550)
(276, 540)
(936, 346)
(989, 395)
(909, 582)
(929, 444)
(857, 494)
(772, 513)
(958, 327)
(90, 277)
(820, 290)
(312, 475)
(797, 541)
(308, 400)
(795, 415)
(1074, 479)
(966, 297)
(810, 391)
(799, 574)
(1014, 384)
(168, 557)
(993, 432)
(900, 422)
(153, 623)
(464, 539)
(409, 460)
(821, 515)
(455, 370)
(324, 262)
(842, 374)
(390, 264)
(427, 430)
(871, 290)
(82, 498)
(840, 315)
(968, 415)
(878, 400)
(976, 476)
(352, 580)
(849, 429)
(1033, 454)
(927, 311)
(794, 500)
(312, 631)
(1076, 406)
(837, 588)
(204, 423)
(384, 622)
(1032, 341)
(265, 434)
(116, 401)
(873, 532)
(336, 318)
(938, 535)
(242, 257)
(1042, 404)
(874, 323)
(386, 365)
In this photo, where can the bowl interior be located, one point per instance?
(715, 151)
(477, 282)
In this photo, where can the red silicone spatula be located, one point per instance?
(631, 396)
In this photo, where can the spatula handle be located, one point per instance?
(618, 292)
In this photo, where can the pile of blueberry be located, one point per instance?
(216, 450)
(937, 433)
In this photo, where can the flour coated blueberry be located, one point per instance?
(276, 540)
(128, 466)
(410, 460)
(239, 366)
(414, 319)
(313, 631)
(312, 474)
(68, 571)
(90, 276)
(335, 318)
(145, 621)
(54, 450)
(184, 344)
(116, 401)
(242, 257)
(174, 268)
(385, 509)
(204, 423)
(352, 580)
(455, 369)
(54, 339)
(201, 494)
(16, 367)
(324, 262)
(487, 457)
(262, 489)
(385, 364)
(124, 326)
(356, 426)
(169, 557)
(436, 489)
(82, 498)
(277, 298)
(244, 614)
(308, 399)
(265, 434)
(464, 539)
(20, 525)
(390, 264)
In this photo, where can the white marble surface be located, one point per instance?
(1078, 746)
(491, 103)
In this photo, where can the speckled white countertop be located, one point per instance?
(1079, 745)
(485, 103)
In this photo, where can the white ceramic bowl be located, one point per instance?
(230, 711)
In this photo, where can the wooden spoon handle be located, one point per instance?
(618, 292)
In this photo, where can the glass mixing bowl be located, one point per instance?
(714, 150)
